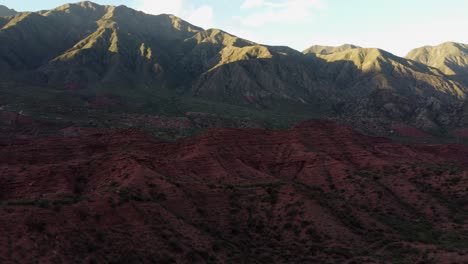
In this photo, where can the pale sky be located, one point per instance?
(393, 25)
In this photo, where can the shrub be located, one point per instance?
(36, 225)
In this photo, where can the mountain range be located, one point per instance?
(450, 58)
(135, 138)
(325, 50)
(160, 64)
(5, 11)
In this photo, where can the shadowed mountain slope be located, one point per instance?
(388, 87)
(387, 71)
(104, 50)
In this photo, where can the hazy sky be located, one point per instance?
(394, 25)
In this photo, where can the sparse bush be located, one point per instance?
(36, 225)
(273, 195)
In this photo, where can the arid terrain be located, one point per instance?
(316, 193)
(127, 137)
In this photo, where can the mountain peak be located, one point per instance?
(383, 66)
(453, 44)
(364, 59)
(359, 55)
(449, 57)
(87, 45)
(87, 4)
(443, 48)
(5, 11)
(75, 8)
(325, 50)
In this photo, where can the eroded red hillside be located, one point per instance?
(317, 193)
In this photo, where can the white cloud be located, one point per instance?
(244, 33)
(285, 11)
(317, 4)
(202, 16)
(157, 7)
(297, 42)
(252, 4)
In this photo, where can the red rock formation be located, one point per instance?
(409, 131)
(317, 193)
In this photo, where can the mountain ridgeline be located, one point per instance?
(450, 58)
(326, 50)
(5, 11)
(134, 138)
(85, 49)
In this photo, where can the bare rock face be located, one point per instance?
(316, 193)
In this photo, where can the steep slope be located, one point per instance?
(451, 58)
(237, 70)
(5, 11)
(86, 42)
(31, 40)
(261, 82)
(19, 52)
(317, 193)
(128, 47)
(213, 47)
(166, 63)
(360, 83)
(388, 71)
(119, 47)
(325, 50)
(381, 85)
(154, 50)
